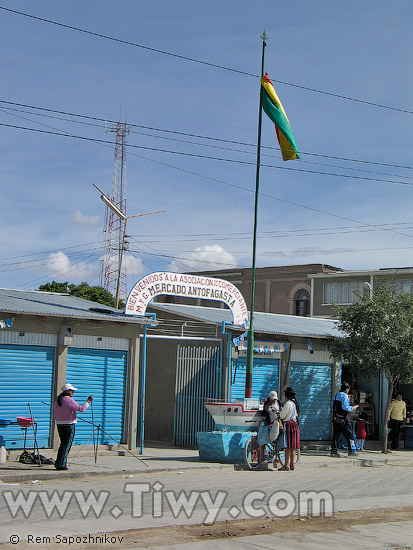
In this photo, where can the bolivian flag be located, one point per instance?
(275, 111)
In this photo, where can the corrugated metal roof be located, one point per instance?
(36, 302)
(271, 323)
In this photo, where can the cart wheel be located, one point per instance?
(252, 453)
(279, 459)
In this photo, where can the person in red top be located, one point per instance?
(65, 409)
(361, 431)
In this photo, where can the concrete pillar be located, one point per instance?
(267, 297)
(284, 373)
(336, 375)
(131, 397)
(59, 380)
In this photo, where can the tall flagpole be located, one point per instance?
(250, 339)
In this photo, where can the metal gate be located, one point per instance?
(265, 377)
(26, 376)
(313, 385)
(101, 373)
(198, 377)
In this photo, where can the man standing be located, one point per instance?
(397, 417)
(341, 422)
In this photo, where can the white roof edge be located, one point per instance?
(37, 290)
(116, 318)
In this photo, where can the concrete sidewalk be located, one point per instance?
(166, 459)
(384, 535)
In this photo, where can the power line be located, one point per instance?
(33, 264)
(201, 62)
(158, 254)
(269, 196)
(180, 260)
(208, 157)
(144, 263)
(129, 43)
(273, 252)
(5, 109)
(270, 235)
(178, 238)
(196, 237)
(48, 251)
(186, 134)
(281, 232)
(310, 208)
(64, 270)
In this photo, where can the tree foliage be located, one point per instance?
(92, 293)
(379, 338)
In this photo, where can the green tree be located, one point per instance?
(54, 286)
(379, 339)
(92, 293)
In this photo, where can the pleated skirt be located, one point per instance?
(293, 434)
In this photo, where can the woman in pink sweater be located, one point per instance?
(65, 409)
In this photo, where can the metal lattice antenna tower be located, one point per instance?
(111, 268)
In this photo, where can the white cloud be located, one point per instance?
(133, 265)
(80, 219)
(204, 258)
(58, 265)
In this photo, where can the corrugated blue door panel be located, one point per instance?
(313, 383)
(198, 377)
(103, 374)
(26, 375)
(265, 377)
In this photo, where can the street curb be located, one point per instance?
(33, 475)
(67, 474)
(310, 459)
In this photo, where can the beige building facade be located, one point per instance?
(278, 289)
(341, 287)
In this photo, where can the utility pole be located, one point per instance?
(122, 217)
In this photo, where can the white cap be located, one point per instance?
(273, 395)
(67, 387)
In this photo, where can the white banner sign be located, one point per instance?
(187, 286)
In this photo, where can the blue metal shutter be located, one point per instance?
(101, 373)
(26, 375)
(313, 383)
(265, 377)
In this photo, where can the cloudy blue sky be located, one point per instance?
(185, 76)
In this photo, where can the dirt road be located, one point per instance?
(191, 533)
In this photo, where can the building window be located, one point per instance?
(342, 293)
(302, 303)
(403, 286)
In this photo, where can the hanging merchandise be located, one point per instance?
(6, 323)
(236, 342)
